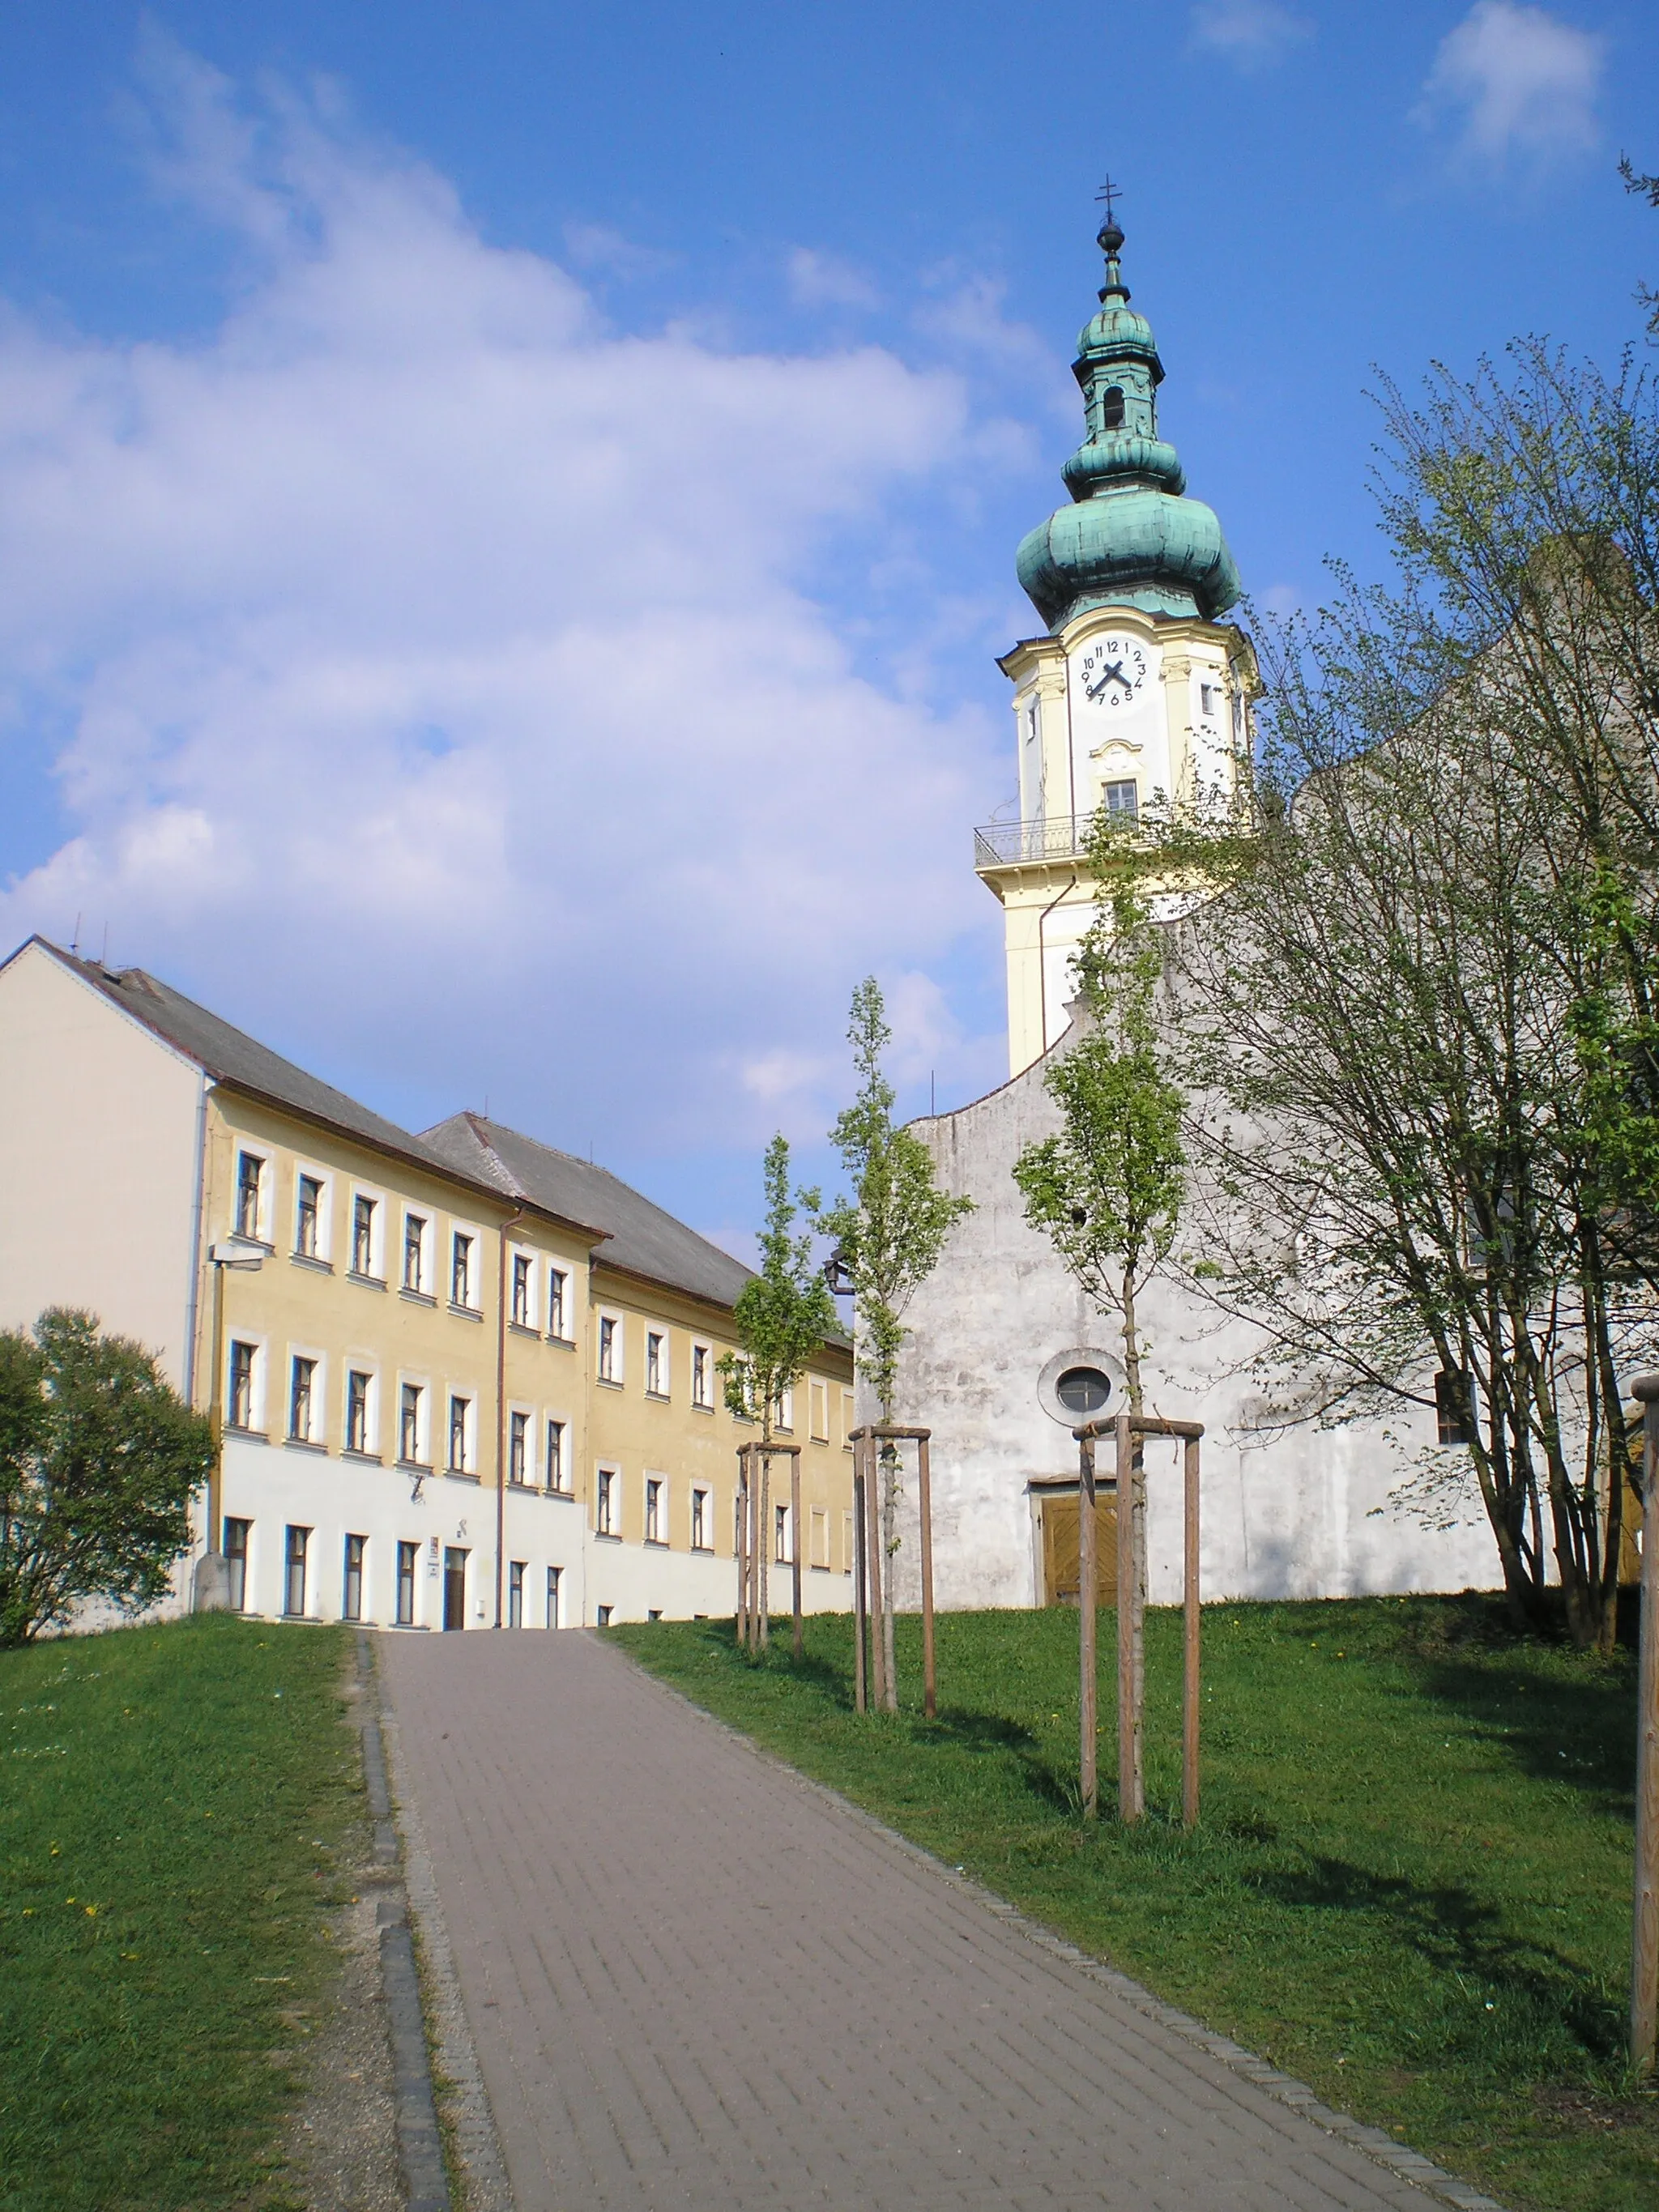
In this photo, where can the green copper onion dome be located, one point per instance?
(1129, 537)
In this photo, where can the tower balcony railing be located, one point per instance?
(1055, 837)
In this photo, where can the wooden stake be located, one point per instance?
(764, 1554)
(877, 1588)
(924, 1489)
(1644, 1918)
(860, 1591)
(1131, 1794)
(1190, 1653)
(1088, 1726)
(741, 1547)
(794, 1540)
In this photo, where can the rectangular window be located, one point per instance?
(1454, 1406)
(846, 1420)
(558, 1292)
(701, 1523)
(1207, 698)
(297, 1543)
(1122, 801)
(603, 1614)
(307, 1217)
(236, 1536)
(653, 1508)
(357, 1411)
(521, 1289)
(518, 1448)
(415, 1253)
(783, 1410)
(847, 1541)
(460, 1426)
(605, 1505)
(300, 1393)
(608, 1360)
(781, 1534)
(554, 1617)
(515, 1592)
(820, 1536)
(351, 1598)
(656, 1363)
(362, 1234)
(555, 1462)
(250, 1177)
(702, 1376)
(408, 1423)
(818, 1411)
(407, 1555)
(460, 1270)
(239, 1413)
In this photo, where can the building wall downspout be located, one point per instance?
(1042, 955)
(511, 1223)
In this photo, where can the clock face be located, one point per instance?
(1112, 669)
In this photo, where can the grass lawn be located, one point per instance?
(1410, 1887)
(171, 1802)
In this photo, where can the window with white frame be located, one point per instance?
(781, 1550)
(461, 1435)
(416, 1229)
(359, 1412)
(1121, 800)
(702, 1378)
(556, 1468)
(654, 1508)
(524, 1289)
(296, 1545)
(411, 1424)
(1208, 696)
(515, 1592)
(817, 1395)
(518, 1448)
(783, 1410)
(351, 1594)
(820, 1552)
(656, 1363)
(308, 1217)
(602, 1614)
(461, 1270)
(609, 1349)
(558, 1304)
(703, 1522)
(235, 1549)
(847, 1540)
(555, 1597)
(407, 1556)
(241, 1399)
(365, 1235)
(250, 1194)
(301, 1400)
(846, 1420)
(604, 1503)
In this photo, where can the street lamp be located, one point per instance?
(211, 1582)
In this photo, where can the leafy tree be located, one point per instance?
(1107, 1188)
(889, 1233)
(782, 1316)
(1648, 188)
(99, 1459)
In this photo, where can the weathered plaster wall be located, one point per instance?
(1305, 1515)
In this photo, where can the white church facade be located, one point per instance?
(1136, 693)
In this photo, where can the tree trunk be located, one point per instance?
(889, 1551)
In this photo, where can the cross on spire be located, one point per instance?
(1110, 193)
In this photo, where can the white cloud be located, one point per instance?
(1519, 82)
(1249, 33)
(451, 690)
(824, 280)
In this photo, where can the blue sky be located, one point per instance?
(506, 515)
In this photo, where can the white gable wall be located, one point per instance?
(100, 1145)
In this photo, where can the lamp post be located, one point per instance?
(211, 1582)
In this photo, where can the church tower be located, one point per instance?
(1137, 695)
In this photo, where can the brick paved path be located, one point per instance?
(695, 1981)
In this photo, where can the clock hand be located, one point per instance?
(1107, 674)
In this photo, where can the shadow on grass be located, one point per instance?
(1580, 1732)
(1542, 1995)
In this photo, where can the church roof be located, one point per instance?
(1130, 536)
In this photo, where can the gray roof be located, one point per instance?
(230, 1056)
(642, 1239)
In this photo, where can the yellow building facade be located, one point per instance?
(465, 1380)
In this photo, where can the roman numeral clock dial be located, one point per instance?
(1113, 671)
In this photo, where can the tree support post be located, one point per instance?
(1088, 1617)
(867, 1443)
(795, 1546)
(1644, 1918)
(1127, 1430)
(860, 1582)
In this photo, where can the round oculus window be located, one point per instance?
(1083, 1389)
